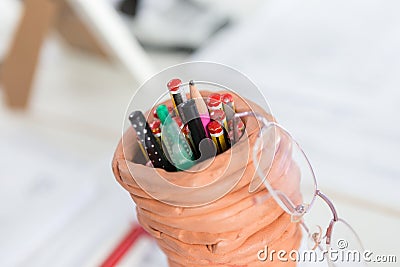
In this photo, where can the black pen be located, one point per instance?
(149, 142)
(190, 117)
(178, 95)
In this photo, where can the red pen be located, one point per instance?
(124, 245)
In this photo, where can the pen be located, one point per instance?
(191, 117)
(149, 142)
(217, 135)
(124, 245)
(214, 102)
(177, 93)
(219, 116)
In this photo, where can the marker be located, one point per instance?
(219, 116)
(214, 102)
(174, 142)
(200, 104)
(149, 142)
(191, 117)
(218, 136)
(177, 92)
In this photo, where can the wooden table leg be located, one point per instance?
(18, 68)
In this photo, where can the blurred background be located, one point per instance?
(68, 69)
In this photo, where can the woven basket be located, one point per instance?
(227, 231)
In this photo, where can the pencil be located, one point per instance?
(200, 104)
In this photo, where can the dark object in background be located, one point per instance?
(128, 7)
(177, 25)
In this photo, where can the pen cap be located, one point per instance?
(214, 102)
(173, 85)
(218, 115)
(215, 96)
(162, 112)
(188, 111)
(215, 128)
(227, 98)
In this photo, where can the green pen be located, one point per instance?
(174, 142)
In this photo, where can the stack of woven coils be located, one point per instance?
(195, 222)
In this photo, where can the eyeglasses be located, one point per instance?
(285, 170)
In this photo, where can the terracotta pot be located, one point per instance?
(194, 221)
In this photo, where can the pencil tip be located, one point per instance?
(191, 82)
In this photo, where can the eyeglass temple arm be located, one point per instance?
(329, 203)
(334, 213)
(250, 113)
(239, 115)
